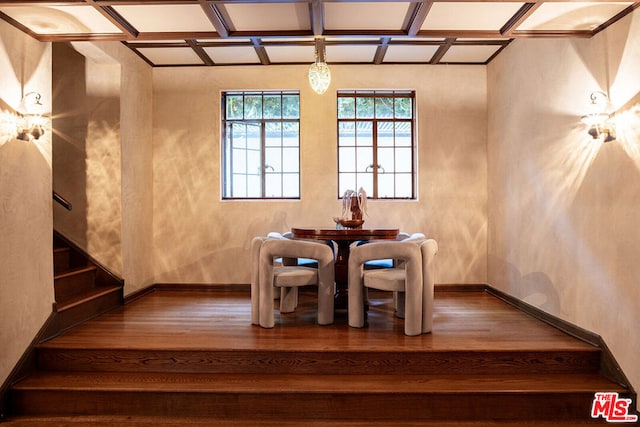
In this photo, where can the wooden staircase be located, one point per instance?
(297, 386)
(83, 289)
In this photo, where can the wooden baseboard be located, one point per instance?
(204, 287)
(448, 287)
(198, 287)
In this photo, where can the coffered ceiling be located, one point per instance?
(233, 32)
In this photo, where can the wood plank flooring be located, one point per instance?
(176, 320)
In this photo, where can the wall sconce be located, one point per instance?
(319, 74)
(30, 122)
(600, 121)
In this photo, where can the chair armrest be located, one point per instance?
(402, 250)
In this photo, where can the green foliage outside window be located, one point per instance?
(261, 145)
(376, 149)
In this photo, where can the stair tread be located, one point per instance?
(84, 296)
(147, 421)
(75, 271)
(335, 384)
(202, 346)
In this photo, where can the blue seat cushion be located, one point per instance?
(378, 263)
(302, 262)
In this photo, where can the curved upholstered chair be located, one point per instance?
(388, 262)
(412, 279)
(288, 296)
(375, 264)
(428, 250)
(266, 275)
(299, 261)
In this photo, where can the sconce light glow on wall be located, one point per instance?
(319, 74)
(30, 123)
(601, 119)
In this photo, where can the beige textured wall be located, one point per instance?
(200, 239)
(563, 209)
(86, 152)
(136, 88)
(26, 287)
(105, 156)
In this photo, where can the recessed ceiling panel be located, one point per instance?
(233, 54)
(166, 18)
(354, 40)
(469, 16)
(222, 40)
(409, 53)
(289, 40)
(61, 19)
(469, 54)
(170, 55)
(416, 39)
(364, 15)
(176, 41)
(350, 53)
(268, 16)
(571, 16)
(285, 54)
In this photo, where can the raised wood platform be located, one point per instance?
(177, 358)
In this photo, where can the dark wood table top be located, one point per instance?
(329, 233)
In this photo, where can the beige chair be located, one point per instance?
(412, 279)
(299, 261)
(388, 263)
(288, 296)
(374, 264)
(266, 275)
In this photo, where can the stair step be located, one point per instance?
(61, 259)
(87, 305)
(75, 281)
(86, 296)
(148, 421)
(291, 383)
(67, 259)
(75, 272)
(235, 361)
(83, 289)
(316, 397)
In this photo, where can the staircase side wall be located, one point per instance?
(86, 153)
(26, 262)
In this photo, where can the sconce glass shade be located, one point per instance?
(600, 125)
(600, 120)
(319, 77)
(30, 123)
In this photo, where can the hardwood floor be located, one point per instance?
(188, 357)
(222, 320)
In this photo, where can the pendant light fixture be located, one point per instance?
(319, 74)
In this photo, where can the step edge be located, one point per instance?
(75, 272)
(84, 297)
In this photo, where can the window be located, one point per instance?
(261, 145)
(376, 149)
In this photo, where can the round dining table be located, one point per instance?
(343, 237)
